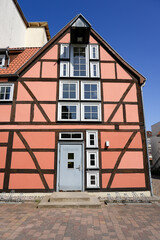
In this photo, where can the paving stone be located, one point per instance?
(131, 222)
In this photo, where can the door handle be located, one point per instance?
(79, 168)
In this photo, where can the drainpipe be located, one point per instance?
(150, 178)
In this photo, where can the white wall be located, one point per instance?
(35, 37)
(12, 27)
(13, 31)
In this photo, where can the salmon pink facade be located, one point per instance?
(71, 118)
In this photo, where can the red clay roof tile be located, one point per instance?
(19, 61)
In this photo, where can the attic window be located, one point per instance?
(2, 60)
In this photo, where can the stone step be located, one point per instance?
(69, 200)
(69, 197)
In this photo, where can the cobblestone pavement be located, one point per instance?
(131, 222)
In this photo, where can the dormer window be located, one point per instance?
(2, 60)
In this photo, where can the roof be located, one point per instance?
(19, 61)
(32, 24)
(114, 54)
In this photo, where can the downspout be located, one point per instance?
(150, 178)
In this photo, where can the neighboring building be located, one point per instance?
(15, 31)
(155, 144)
(149, 135)
(72, 117)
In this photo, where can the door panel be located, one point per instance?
(70, 167)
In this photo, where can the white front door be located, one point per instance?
(70, 167)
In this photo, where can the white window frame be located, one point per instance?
(95, 133)
(88, 154)
(11, 85)
(92, 69)
(62, 47)
(87, 60)
(71, 134)
(62, 63)
(92, 173)
(3, 60)
(60, 104)
(98, 105)
(61, 82)
(98, 90)
(96, 51)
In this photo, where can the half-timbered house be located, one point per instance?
(71, 117)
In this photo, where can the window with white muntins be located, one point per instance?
(6, 92)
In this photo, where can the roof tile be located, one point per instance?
(19, 61)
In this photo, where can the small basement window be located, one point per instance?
(92, 179)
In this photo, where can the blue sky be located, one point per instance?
(131, 27)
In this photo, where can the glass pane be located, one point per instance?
(94, 108)
(92, 156)
(94, 95)
(7, 96)
(76, 49)
(70, 164)
(76, 135)
(82, 67)
(87, 116)
(76, 73)
(8, 89)
(72, 95)
(2, 89)
(65, 87)
(87, 109)
(94, 116)
(70, 155)
(65, 52)
(1, 96)
(73, 109)
(65, 95)
(72, 87)
(64, 115)
(87, 95)
(65, 108)
(83, 73)
(91, 142)
(93, 87)
(65, 135)
(82, 60)
(91, 136)
(92, 163)
(76, 59)
(73, 116)
(87, 87)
